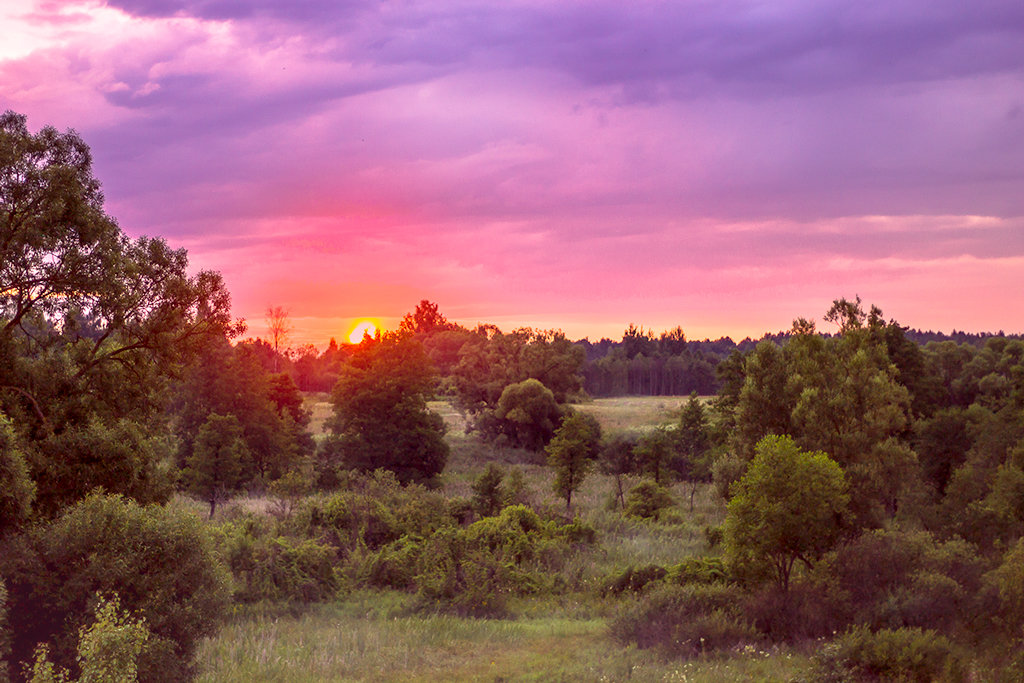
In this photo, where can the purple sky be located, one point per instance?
(724, 166)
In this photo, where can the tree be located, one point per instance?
(92, 323)
(527, 414)
(280, 327)
(617, 459)
(231, 381)
(654, 451)
(788, 506)
(214, 470)
(573, 448)
(691, 463)
(381, 419)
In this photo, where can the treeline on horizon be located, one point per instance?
(642, 363)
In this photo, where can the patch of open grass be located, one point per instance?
(340, 643)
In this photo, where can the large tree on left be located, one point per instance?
(91, 324)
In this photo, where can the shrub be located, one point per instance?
(684, 621)
(904, 654)
(632, 579)
(698, 570)
(160, 561)
(647, 499)
(270, 567)
(459, 576)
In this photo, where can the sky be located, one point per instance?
(722, 165)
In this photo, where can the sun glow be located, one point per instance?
(362, 327)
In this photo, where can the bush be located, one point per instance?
(632, 579)
(698, 570)
(160, 561)
(683, 621)
(893, 578)
(457, 575)
(647, 499)
(374, 511)
(270, 567)
(904, 654)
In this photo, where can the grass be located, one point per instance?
(348, 642)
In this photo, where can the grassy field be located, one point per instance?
(355, 641)
(373, 636)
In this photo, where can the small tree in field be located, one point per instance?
(788, 506)
(215, 467)
(574, 446)
(690, 462)
(617, 460)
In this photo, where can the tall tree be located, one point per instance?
(279, 327)
(214, 470)
(381, 419)
(91, 323)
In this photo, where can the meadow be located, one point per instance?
(375, 635)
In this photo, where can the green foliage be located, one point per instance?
(381, 418)
(647, 499)
(92, 324)
(654, 452)
(684, 621)
(573, 448)
(788, 506)
(698, 570)
(904, 654)
(488, 494)
(894, 578)
(270, 567)
(16, 488)
(617, 459)
(374, 511)
(232, 382)
(527, 414)
(472, 571)
(108, 650)
(214, 470)
(159, 561)
(632, 579)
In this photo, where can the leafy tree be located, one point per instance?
(788, 506)
(381, 418)
(573, 448)
(214, 470)
(617, 459)
(488, 494)
(527, 414)
(691, 462)
(231, 381)
(108, 650)
(654, 451)
(91, 323)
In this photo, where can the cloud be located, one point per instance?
(524, 156)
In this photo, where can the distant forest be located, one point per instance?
(642, 363)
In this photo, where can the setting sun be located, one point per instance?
(363, 326)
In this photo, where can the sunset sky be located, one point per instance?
(721, 165)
